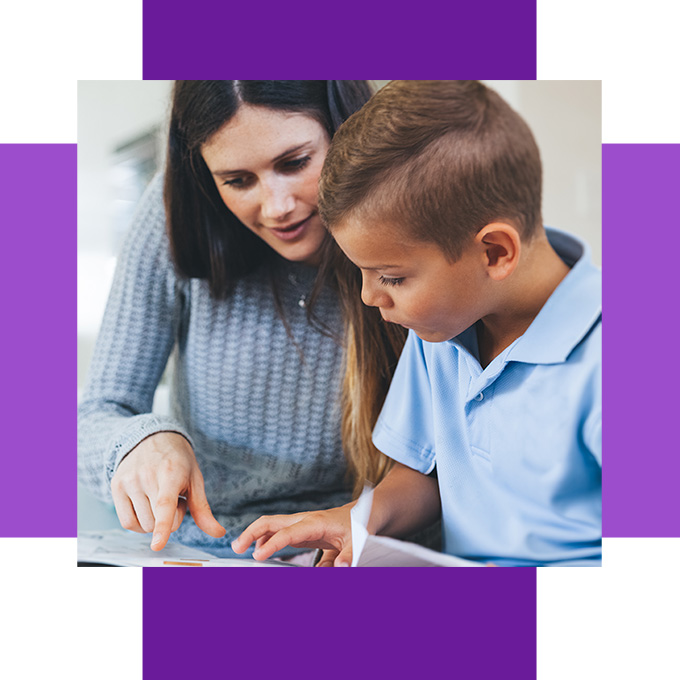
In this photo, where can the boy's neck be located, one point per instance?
(539, 273)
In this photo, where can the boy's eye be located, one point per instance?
(391, 282)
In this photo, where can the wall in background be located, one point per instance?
(111, 115)
(566, 119)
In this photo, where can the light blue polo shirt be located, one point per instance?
(517, 446)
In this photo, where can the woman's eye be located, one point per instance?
(236, 183)
(296, 164)
(391, 282)
(291, 166)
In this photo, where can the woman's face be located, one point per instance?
(266, 165)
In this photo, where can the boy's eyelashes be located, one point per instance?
(386, 281)
(288, 167)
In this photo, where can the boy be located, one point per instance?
(493, 417)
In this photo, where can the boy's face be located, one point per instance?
(412, 282)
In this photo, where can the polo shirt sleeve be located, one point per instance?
(404, 430)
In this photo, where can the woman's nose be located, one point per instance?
(277, 201)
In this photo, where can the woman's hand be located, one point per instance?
(155, 483)
(330, 530)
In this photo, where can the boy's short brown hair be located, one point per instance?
(440, 158)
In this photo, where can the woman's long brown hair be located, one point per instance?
(208, 242)
(372, 348)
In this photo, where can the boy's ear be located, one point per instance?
(501, 245)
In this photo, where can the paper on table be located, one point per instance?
(359, 515)
(382, 551)
(128, 549)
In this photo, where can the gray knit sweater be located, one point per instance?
(262, 415)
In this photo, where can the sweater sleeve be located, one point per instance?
(132, 349)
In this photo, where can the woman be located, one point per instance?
(226, 279)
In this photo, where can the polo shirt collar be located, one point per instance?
(569, 313)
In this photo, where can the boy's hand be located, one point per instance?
(330, 530)
(155, 483)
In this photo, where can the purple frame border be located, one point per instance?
(337, 623)
(39, 281)
(491, 39)
(641, 237)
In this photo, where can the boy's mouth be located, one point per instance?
(386, 320)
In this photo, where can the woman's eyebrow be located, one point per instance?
(287, 152)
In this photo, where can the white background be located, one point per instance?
(617, 622)
(55, 619)
(620, 621)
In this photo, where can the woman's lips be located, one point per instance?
(291, 232)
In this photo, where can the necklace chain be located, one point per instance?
(302, 300)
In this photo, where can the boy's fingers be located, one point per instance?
(262, 528)
(251, 533)
(300, 534)
(327, 558)
(262, 540)
(279, 540)
(344, 558)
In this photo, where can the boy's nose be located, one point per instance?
(277, 203)
(373, 296)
